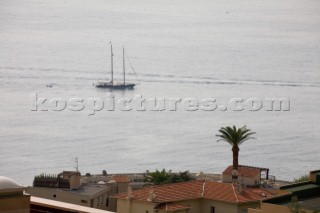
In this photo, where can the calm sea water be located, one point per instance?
(180, 49)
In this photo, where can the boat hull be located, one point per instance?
(115, 86)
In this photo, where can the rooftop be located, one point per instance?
(311, 203)
(70, 173)
(297, 188)
(63, 206)
(121, 179)
(245, 171)
(88, 189)
(225, 192)
(8, 183)
(307, 192)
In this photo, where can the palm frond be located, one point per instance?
(235, 136)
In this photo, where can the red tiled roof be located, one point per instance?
(171, 206)
(121, 179)
(225, 192)
(245, 171)
(230, 193)
(167, 192)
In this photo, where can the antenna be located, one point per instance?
(77, 164)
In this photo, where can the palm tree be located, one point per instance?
(159, 177)
(235, 137)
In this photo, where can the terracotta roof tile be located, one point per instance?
(121, 179)
(245, 171)
(225, 192)
(228, 192)
(168, 192)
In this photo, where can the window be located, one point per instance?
(84, 201)
(54, 195)
(212, 209)
(107, 202)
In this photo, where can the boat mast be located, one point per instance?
(111, 65)
(124, 68)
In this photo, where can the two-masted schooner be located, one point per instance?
(116, 85)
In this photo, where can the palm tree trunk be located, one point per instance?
(235, 151)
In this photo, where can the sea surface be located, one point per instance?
(179, 49)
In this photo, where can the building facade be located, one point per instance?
(67, 188)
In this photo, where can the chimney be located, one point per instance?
(235, 174)
(240, 188)
(73, 177)
(129, 193)
(152, 195)
(200, 176)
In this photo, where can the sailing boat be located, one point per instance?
(116, 85)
